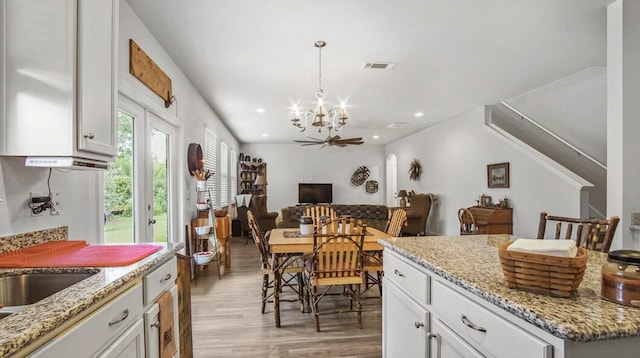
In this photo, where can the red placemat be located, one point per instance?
(76, 254)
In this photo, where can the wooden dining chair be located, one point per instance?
(318, 211)
(467, 222)
(336, 261)
(592, 234)
(291, 275)
(372, 262)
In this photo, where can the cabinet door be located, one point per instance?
(129, 345)
(405, 325)
(449, 345)
(97, 74)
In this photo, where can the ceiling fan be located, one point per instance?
(331, 141)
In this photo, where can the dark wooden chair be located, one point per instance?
(592, 234)
(417, 214)
(467, 222)
(291, 275)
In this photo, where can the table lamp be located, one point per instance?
(261, 180)
(403, 194)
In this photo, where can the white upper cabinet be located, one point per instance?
(59, 89)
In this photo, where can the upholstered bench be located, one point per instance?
(372, 215)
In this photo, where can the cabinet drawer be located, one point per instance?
(90, 334)
(409, 279)
(159, 280)
(484, 329)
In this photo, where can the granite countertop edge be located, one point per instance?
(20, 329)
(558, 329)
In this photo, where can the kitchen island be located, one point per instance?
(35, 325)
(460, 305)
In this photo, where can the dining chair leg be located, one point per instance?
(315, 308)
(380, 274)
(358, 306)
(300, 291)
(265, 289)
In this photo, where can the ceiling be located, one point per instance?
(452, 56)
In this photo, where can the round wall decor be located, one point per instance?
(195, 161)
(371, 186)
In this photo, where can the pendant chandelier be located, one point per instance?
(321, 117)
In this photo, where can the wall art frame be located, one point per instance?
(498, 175)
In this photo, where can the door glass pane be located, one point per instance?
(160, 157)
(118, 187)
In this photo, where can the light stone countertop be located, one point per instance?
(20, 329)
(472, 263)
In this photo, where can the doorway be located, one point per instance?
(138, 185)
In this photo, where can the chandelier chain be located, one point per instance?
(320, 68)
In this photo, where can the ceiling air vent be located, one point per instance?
(380, 65)
(397, 125)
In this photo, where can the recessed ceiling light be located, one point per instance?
(260, 110)
(375, 137)
(418, 114)
(265, 134)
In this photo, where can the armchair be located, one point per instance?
(417, 215)
(266, 220)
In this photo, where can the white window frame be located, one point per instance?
(210, 162)
(224, 174)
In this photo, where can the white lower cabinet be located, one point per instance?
(88, 337)
(126, 326)
(448, 345)
(424, 316)
(152, 327)
(129, 345)
(405, 325)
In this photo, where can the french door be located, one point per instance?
(138, 185)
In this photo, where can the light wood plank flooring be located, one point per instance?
(227, 321)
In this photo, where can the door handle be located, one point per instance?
(398, 273)
(151, 221)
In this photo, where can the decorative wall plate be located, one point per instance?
(195, 160)
(360, 175)
(371, 186)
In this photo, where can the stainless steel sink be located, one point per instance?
(26, 289)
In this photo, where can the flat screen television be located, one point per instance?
(315, 193)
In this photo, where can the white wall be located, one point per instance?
(190, 114)
(290, 164)
(454, 156)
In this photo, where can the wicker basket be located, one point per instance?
(550, 275)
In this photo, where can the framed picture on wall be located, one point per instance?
(498, 175)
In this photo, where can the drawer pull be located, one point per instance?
(470, 324)
(89, 136)
(156, 325)
(418, 324)
(166, 278)
(431, 335)
(125, 314)
(398, 273)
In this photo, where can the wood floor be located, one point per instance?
(227, 321)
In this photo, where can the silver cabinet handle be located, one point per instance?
(156, 325)
(166, 278)
(431, 335)
(151, 221)
(471, 325)
(418, 324)
(124, 316)
(398, 273)
(89, 136)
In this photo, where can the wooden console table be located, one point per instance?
(492, 220)
(223, 232)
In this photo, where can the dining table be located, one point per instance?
(287, 244)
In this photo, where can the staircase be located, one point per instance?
(537, 136)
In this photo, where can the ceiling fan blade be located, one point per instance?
(308, 144)
(308, 141)
(349, 141)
